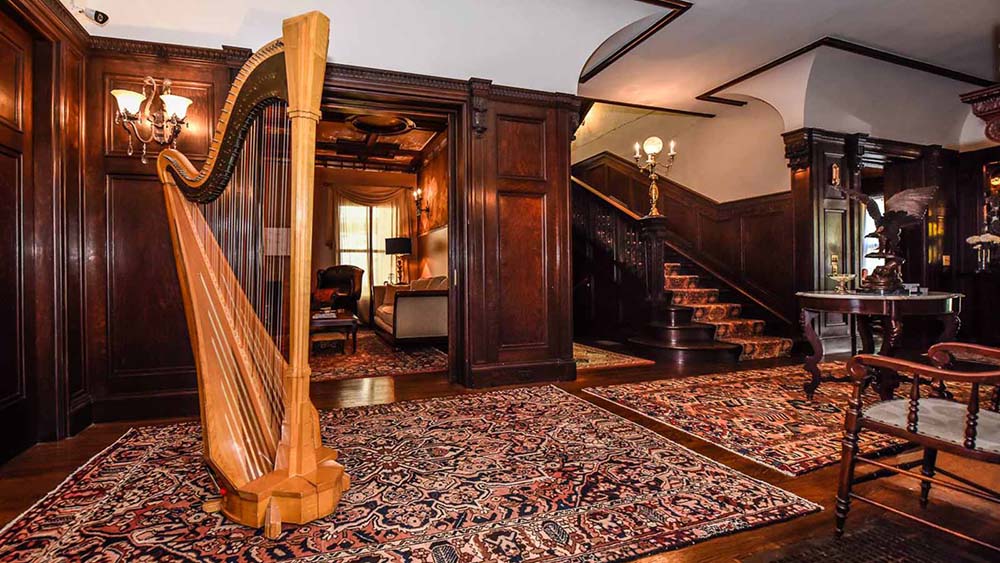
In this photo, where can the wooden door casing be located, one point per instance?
(520, 326)
(18, 401)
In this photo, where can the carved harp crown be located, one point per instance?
(242, 229)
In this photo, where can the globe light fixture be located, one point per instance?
(652, 147)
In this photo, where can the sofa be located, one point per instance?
(413, 312)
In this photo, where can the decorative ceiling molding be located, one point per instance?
(833, 42)
(986, 106)
(232, 56)
(676, 9)
(650, 108)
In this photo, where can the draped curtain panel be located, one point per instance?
(361, 219)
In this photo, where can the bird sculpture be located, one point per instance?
(904, 209)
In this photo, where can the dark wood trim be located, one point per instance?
(677, 9)
(850, 47)
(986, 106)
(227, 55)
(592, 101)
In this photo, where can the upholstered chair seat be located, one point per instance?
(941, 419)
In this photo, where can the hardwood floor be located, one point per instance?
(28, 477)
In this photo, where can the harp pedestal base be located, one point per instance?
(275, 497)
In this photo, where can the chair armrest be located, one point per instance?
(857, 368)
(944, 353)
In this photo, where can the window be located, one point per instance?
(869, 245)
(363, 230)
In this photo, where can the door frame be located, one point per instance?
(381, 90)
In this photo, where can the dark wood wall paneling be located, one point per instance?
(139, 361)
(41, 131)
(519, 237)
(982, 290)
(747, 242)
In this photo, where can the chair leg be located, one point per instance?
(927, 470)
(849, 450)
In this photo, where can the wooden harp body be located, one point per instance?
(241, 228)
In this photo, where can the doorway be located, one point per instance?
(382, 219)
(18, 386)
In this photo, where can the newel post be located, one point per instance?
(654, 235)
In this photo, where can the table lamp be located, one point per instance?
(398, 246)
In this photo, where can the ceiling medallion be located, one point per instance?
(384, 125)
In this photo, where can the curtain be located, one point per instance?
(363, 217)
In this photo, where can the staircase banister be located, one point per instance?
(613, 202)
(726, 280)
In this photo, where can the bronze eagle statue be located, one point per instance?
(903, 209)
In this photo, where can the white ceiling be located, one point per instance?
(718, 40)
(539, 44)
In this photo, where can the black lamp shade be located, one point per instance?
(398, 245)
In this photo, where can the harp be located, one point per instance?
(241, 227)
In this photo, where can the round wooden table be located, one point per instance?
(892, 308)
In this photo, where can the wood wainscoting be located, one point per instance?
(519, 289)
(137, 349)
(42, 388)
(746, 242)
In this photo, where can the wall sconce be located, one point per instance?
(418, 198)
(164, 125)
(652, 147)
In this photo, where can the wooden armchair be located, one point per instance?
(936, 424)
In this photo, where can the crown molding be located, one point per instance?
(986, 106)
(230, 56)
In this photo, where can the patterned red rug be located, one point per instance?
(375, 358)
(759, 414)
(526, 474)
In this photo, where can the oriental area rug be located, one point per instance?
(375, 358)
(760, 414)
(527, 474)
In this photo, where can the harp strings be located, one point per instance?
(250, 221)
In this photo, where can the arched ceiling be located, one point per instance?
(527, 43)
(716, 41)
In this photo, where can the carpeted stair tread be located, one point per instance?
(680, 282)
(761, 347)
(739, 328)
(715, 311)
(693, 296)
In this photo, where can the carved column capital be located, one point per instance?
(479, 90)
(986, 106)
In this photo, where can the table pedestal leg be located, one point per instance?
(887, 379)
(865, 331)
(812, 362)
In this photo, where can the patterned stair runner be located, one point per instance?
(729, 327)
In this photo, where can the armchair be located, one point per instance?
(936, 424)
(338, 287)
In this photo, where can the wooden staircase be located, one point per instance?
(705, 320)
